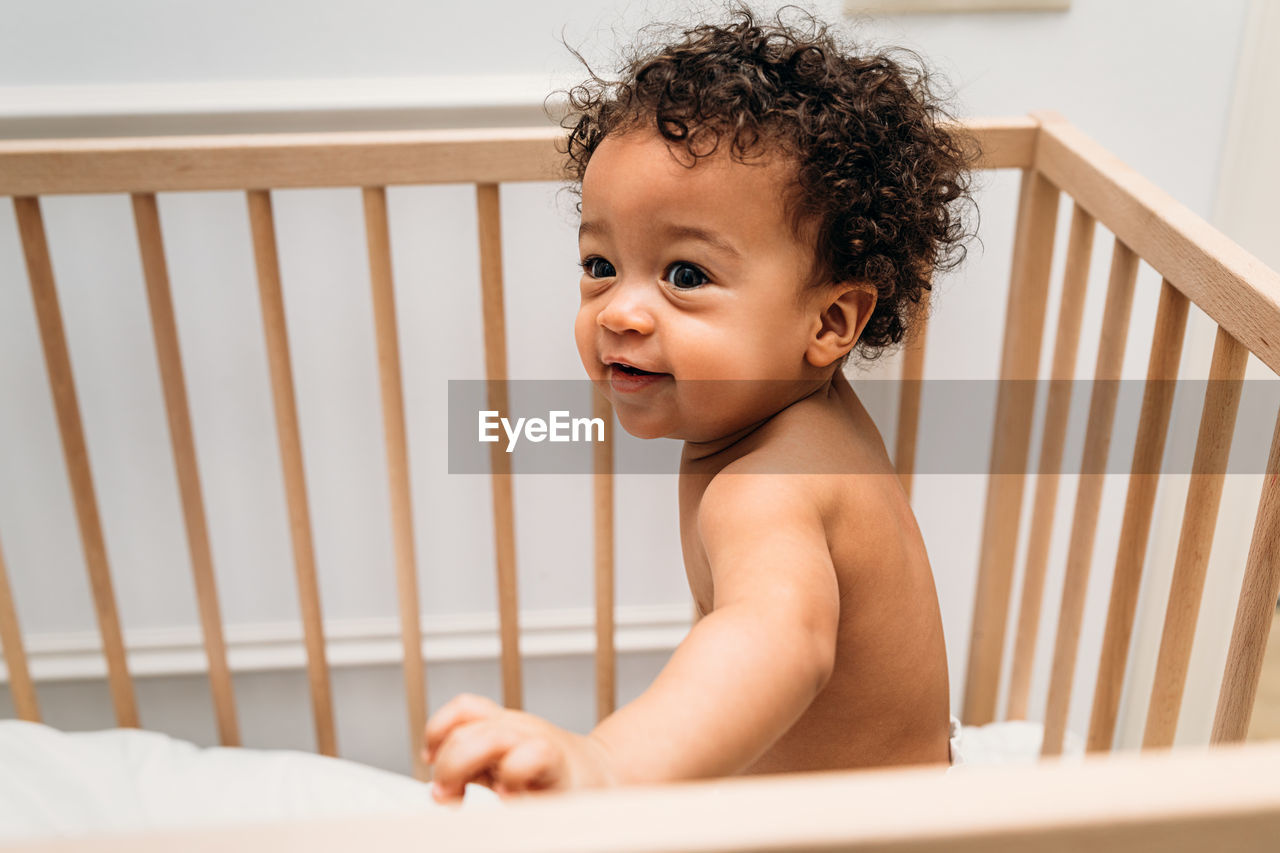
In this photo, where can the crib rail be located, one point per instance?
(1199, 266)
(143, 167)
(257, 164)
(1225, 799)
(276, 161)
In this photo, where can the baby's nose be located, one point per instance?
(626, 311)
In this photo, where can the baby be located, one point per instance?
(756, 202)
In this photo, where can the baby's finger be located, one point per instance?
(532, 764)
(470, 750)
(460, 710)
(438, 793)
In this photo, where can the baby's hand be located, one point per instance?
(474, 739)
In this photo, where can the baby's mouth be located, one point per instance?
(627, 378)
(634, 371)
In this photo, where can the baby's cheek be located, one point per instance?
(585, 341)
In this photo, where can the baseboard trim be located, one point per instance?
(155, 652)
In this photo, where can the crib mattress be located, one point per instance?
(55, 783)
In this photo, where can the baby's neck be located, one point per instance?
(707, 453)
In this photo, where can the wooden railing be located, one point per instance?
(258, 164)
(1199, 265)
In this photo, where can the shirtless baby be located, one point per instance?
(756, 202)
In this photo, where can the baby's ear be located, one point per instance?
(844, 311)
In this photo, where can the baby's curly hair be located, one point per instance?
(877, 166)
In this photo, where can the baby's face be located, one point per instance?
(691, 273)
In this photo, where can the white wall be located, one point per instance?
(1244, 210)
(1151, 81)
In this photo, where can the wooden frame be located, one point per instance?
(1198, 265)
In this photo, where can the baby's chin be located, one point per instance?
(642, 426)
(645, 427)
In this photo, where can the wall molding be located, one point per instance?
(158, 652)
(269, 106)
(914, 7)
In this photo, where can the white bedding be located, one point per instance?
(55, 783)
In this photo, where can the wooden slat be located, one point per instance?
(15, 656)
(1213, 445)
(1058, 405)
(169, 356)
(904, 447)
(384, 315)
(1084, 521)
(273, 320)
(1135, 528)
(345, 159)
(1019, 363)
(1238, 291)
(58, 363)
(1258, 593)
(495, 362)
(606, 656)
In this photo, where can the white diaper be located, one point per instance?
(1005, 742)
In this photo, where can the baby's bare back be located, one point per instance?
(888, 700)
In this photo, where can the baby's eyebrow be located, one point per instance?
(592, 228)
(688, 232)
(702, 235)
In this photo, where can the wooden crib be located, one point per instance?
(1122, 804)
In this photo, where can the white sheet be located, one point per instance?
(55, 783)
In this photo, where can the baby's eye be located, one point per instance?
(597, 267)
(686, 276)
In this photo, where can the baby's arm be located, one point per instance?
(743, 676)
(748, 669)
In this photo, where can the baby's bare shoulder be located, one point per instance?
(837, 467)
(846, 491)
(819, 445)
(757, 488)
